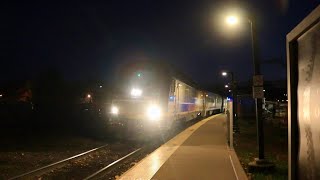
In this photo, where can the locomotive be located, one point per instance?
(155, 95)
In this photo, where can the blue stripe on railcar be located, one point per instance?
(187, 107)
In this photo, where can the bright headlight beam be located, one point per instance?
(154, 112)
(114, 110)
(136, 92)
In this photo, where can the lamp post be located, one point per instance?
(260, 162)
(234, 96)
(256, 71)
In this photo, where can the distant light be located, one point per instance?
(264, 90)
(171, 97)
(232, 20)
(207, 95)
(136, 92)
(179, 84)
(287, 100)
(201, 95)
(230, 90)
(139, 74)
(100, 86)
(228, 99)
(226, 86)
(89, 95)
(224, 73)
(0, 95)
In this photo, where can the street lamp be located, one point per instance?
(232, 20)
(224, 73)
(259, 162)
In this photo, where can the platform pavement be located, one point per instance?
(199, 152)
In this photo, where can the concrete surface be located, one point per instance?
(199, 152)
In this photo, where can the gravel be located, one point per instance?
(18, 157)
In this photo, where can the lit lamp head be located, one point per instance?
(224, 73)
(232, 20)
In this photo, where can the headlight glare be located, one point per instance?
(136, 92)
(114, 110)
(153, 112)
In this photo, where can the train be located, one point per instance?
(157, 95)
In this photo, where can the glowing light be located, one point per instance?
(226, 86)
(229, 90)
(207, 95)
(224, 73)
(264, 90)
(100, 86)
(232, 20)
(153, 112)
(89, 96)
(114, 110)
(139, 74)
(0, 95)
(136, 92)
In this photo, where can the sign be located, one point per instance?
(258, 80)
(258, 92)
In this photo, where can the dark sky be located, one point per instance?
(92, 40)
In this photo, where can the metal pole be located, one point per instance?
(256, 65)
(234, 107)
(231, 126)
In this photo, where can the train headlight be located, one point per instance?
(114, 110)
(136, 92)
(154, 112)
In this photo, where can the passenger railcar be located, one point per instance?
(156, 95)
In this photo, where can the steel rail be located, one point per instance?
(47, 168)
(112, 164)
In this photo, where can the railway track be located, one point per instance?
(101, 172)
(98, 166)
(42, 170)
(93, 171)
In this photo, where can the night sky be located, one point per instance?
(92, 40)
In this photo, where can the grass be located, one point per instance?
(276, 148)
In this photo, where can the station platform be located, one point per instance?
(199, 152)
